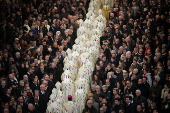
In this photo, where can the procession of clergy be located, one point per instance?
(69, 96)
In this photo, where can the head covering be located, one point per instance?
(69, 96)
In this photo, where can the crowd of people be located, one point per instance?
(36, 34)
(132, 74)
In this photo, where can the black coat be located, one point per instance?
(2, 90)
(90, 110)
(43, 100)
(131, 108)
(5, 98)
(118, 107)
(139, 100)
(119, 76)
(35, 87)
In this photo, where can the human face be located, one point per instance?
(30, 107)
(3, 83)
(137, 94)
(116, 102)
(42, 87)
(101, 110)
(97, 89)
(114, 92)
(89, 104)
(139, 108)
(127, 83)
(140, 81)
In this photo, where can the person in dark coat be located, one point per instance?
(3, 88)
(31, 108)
(119, 74)
(118, 105)
(24, 105)
(89, 108)
(7, 96)
(139, 99)
(43, 98)
(97, 93)
(35, 85)
(129, 106)
(30, 75)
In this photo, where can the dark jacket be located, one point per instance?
(89, 110)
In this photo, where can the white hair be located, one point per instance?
(138, 91)
(38, 50)
(128, 52)
(93, 85)
(111, 73)
(157, 77)
(17, 53)
(98, 86)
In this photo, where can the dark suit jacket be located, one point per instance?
(96, 96)
(2, 90)
(33, 111)
(119, 76)
(50, 87)
(6, 98)
(40, 74)
(30, 78)
(43, 99)
(139, 100)
(162, 78)
(35, 87)
(131, 108)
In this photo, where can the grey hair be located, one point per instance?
(157, 77)
(138, 91)
(98, 86)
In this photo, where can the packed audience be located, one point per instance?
(36, 34)
(132, 74)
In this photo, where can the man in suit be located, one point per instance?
(118, 105)
(12, 82)
(139, 99)
(89, 107)
(25, 97)
(7, 96)
(129, 106)
(2, 67)
(43, 98)
(50, 83)
(119, 74)
(36, 101)
(167, 69)
(31, 108)
(40, 72)
(53, 29)
(30, 75)
(162, 76)
(24, 105)
(95, 104)
(97, 93)
(35, 85)
(2, 88)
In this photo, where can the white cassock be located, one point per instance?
(67, 87)
(70, 107)
(58, 106)
(80, 98)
